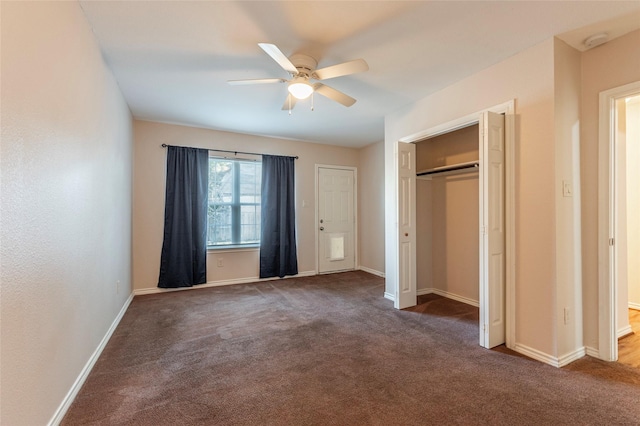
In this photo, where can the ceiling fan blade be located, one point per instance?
(345, 68)
(334, 94)
(289, 103)
(256, 81)
(277, 55)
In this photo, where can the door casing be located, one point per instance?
(607, 213)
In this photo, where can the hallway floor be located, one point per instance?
(629, 346)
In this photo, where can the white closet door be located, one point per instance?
(492, 231)
(406, 180)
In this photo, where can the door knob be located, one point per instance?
(322, 228)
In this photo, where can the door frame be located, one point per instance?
(607, 214)
(508, 109)
(356, 263)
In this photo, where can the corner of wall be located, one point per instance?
(568, 246)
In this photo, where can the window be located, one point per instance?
(234, 202)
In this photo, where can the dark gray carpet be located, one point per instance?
(329, 350)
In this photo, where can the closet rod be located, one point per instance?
(443, 169)
(164, 145)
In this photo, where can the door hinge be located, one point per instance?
(484, 328)
(611, 241)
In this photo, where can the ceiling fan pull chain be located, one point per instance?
(311, 101)
(289, 98)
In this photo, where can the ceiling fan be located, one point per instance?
(302, 69)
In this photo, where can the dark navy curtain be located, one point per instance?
(278, 255)
(183, 262)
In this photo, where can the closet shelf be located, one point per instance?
(460, 167)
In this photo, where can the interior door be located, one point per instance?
(406, 225)
(336, 220)
(492, 230)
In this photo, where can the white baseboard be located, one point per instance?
(421, 291)
(549, 359)
(633, 305)
(625, 331)
(592, 352)
(246, 280)
(536, 354)
(371, 271)
(84, 373)
(448, 295)
(568, 358)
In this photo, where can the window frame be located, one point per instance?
(235, 206)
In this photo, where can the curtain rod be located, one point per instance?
(164, 145)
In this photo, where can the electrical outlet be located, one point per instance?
(220, 262)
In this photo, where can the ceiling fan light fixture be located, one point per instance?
(301, 69)
(300, 88)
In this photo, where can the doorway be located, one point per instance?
(627, 143)
(336, 231)
(619, 234)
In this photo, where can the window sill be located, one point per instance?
(233, 248)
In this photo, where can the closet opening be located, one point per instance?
(482, 248)
(447, 216)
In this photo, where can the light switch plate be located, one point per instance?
(567, 189)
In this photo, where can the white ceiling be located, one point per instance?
(172, 59)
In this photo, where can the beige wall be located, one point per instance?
(633, 200)
(66, 205)
(611, 65)
(528, 78)
(424, 233)
(566, 167)
(455, 147)
(447, 215)
(371, 208)
(149, 187)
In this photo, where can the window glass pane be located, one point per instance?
(219, 225)
(250, 177)
(220, 180)
(250, 224)
(234, 202)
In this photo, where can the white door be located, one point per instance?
(406, 180)
(336, 220)
(492, 231)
